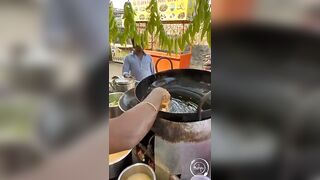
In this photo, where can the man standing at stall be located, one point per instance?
(138, 64)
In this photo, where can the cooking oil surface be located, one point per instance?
(182, 106)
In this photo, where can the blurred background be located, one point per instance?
(266, 64)
(53, 69)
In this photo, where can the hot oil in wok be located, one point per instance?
(181, 83)
(181, 90)
(182, 106)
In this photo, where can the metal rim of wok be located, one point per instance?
(194, 75)
(128, 100)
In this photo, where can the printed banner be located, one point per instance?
(170, 10)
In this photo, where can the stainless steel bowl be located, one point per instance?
(114, 111)
(137, 168)
(122, 84)
(115, 168)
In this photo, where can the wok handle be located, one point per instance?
(202, 101)
(162, 58)
(115, 77)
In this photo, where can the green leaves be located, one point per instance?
(186, 38)
(201, 24)
(129, 24)
(146, 39)
(183, 44)
(204, 30)
(138, 40)
(150, 4)
(113, 28)
(179, 40)
(176, 46)
(209, 36)
(170, 44)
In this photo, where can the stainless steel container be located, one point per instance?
(121, 84)
(114, 111)
(183, 148)
(116, 167)
(182, 144)
(137, 168)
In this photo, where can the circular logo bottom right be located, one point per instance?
(199, 166)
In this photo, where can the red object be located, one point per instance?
(179, 61)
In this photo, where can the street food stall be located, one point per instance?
(178, 145)
(164, 61)
(176, 16)
(180, 137)
(118, 50)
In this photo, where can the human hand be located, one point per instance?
(166, 98)
(127, 75)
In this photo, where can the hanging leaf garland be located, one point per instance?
(201, 23)
(129, 24)
(209, 36)
(202, 19)
(113, 28)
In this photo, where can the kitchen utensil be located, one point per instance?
(114, 111)
(137, 168)
(116, 167)
(122, 84)
(181, 138)
(187, 84)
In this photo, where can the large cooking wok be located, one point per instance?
(186, 84)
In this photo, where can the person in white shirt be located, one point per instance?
(138, 64)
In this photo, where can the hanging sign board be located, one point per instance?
(170, 10)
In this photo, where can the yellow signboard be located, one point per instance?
(170, 10)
